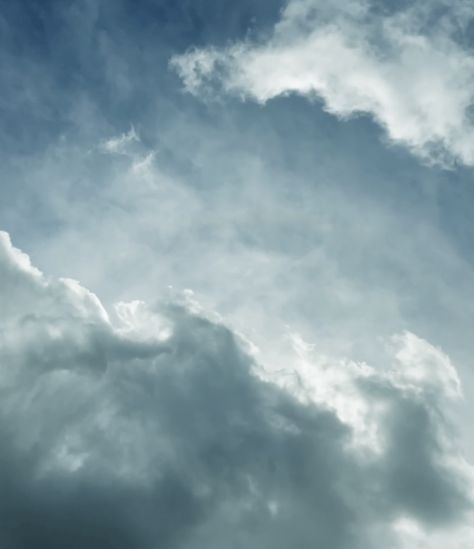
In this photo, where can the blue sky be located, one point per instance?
(282, 188)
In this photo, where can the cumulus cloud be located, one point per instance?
(407, 65)
(156, 427)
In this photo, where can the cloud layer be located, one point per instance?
(157, 427)
(410, 67)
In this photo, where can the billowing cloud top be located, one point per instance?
(156, 427)
(408, 65)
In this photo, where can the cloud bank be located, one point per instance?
(157, 427)
(407, 65)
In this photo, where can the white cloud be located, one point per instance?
(121, 144)
(157, 428)
(407, 68)
(417, 360)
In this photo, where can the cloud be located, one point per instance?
(156, 427)
(122, 144)
(409, 67)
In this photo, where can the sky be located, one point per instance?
(236, 270)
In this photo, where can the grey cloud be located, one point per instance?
(173, 438)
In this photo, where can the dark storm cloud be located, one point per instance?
(157, 430)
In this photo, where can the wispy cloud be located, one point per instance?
(121, 144)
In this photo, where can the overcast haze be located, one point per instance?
(236, 273)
